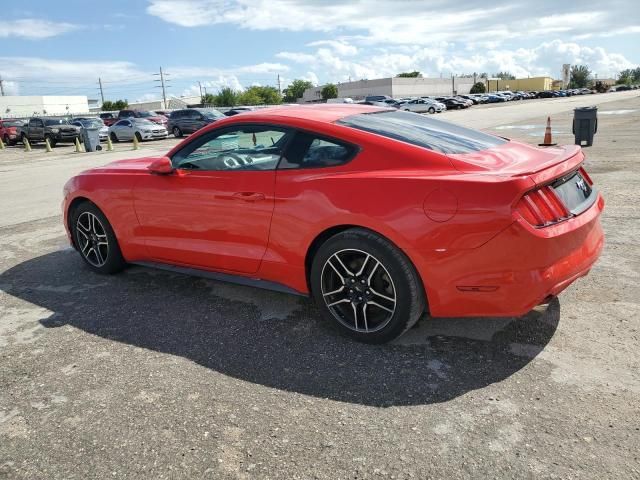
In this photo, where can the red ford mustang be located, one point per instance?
(378, 214)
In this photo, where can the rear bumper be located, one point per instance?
(515, 271)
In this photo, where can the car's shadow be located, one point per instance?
(278, 340)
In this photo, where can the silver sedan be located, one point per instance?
(141, 128)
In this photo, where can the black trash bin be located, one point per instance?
(585, 124)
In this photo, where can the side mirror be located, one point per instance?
(161, 166)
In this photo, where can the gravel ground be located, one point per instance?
(149, 374)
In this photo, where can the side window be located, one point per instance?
(250, 147)
(193, 115)
(310, 151)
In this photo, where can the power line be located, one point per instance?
(101, 91)
(162, 85)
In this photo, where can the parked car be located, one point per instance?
(103, 130)
(452, 103)
(545, 94)
(141, 128)
(377, 98)
(9, 131)
(422, 105)
(190, 120)
(109, 118)
(146, 114)
(237, 110)
(473, 99)
(55, 129)
(493, 98)
(466, 101)
(467, 223)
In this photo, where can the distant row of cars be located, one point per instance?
(432, 104)
(124, 125)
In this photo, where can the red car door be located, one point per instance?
(214, 211)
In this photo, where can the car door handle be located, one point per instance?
(249, 196)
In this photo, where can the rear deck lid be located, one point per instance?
(514, 158)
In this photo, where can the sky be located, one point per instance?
(48, 49)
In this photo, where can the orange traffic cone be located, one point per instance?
(547, 142)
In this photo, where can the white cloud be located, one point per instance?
(33, 28)
(214, 85)
(407, 22)
(543, 60)
(34, 68)
(339, 46)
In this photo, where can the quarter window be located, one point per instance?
(310, 151)
(250, 147)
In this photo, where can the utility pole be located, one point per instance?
(200, 85)
(279, 88)
(1, 86)
(162, 85)
(101, 91)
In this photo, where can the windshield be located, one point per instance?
(16, 123)
(422, 131)
(92, 123)
(55, 121)
(211, 113)
(142, 121)
(146, 114)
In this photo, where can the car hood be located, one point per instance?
(157, 119)
(513, 158)
(132, 165)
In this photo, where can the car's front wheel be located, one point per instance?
(366, 286)
(114, 137)
(95, 240)
(177, 132)
(432, 110)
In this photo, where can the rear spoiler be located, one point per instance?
(569, 160)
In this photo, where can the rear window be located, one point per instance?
(422, 131)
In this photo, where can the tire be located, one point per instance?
(114, 137)
(52, 142)
(177, 132)
(432, 110)
(362, 272)
(138, 136)
(90, 228)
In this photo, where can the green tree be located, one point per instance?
(580, 76)
(505, 76)
(208, 99)
(295, 90)
(268, 95)
(109, 106)
(226, 97)
(329, 91)
(629, 76)
(414, 74)
(478, 87)
(249, 97)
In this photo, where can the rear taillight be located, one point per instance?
(542, 207)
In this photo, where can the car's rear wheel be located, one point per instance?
(95, 239)
(366, 286)
(177, 132)
(114, 137)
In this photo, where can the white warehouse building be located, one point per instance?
(395, 87)
(26, 106)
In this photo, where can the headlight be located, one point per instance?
(55, 130)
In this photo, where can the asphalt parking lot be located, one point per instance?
(149, 374)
